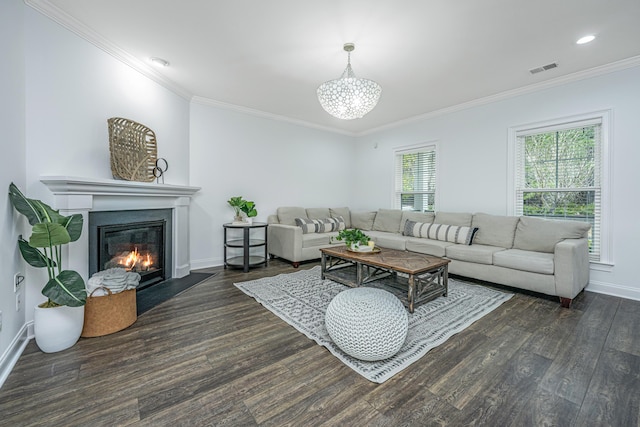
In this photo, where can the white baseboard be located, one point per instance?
(206, 263)
(17, 346)
(614, 290)
(182, 270)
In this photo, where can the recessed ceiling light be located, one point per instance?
(160, 62)
(586, 39)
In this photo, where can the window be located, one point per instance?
(559, 174)
(415, 179)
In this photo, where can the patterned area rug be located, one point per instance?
(301, 300)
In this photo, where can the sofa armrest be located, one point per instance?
(571, 260)
(285, 241)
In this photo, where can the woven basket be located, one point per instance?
(133, 149)
(104, 315)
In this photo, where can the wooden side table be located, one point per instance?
(237, 249)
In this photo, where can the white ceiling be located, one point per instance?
(428, 55)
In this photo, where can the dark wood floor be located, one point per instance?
(213, 356)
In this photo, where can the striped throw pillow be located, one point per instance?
(443, 232)
(325, 225)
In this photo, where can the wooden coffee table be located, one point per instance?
(423, 277)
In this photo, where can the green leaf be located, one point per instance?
(51, 215)
(26, 206)
(249, 208)
(73, 224)
(48, 234)
(236, 201)
(66, 289)
(33, 256)
(351, 236)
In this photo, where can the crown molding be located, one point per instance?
(258, 113)
(623, 64)
(88, 34)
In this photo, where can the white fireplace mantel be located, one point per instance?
(82, 195)
(70, 185)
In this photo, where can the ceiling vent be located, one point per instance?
(544, 68)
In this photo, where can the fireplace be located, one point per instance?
(136, 240)
(91, 196)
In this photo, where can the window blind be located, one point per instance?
(415, 179)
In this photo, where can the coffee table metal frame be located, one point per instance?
(423, 277)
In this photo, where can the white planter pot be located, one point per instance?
(57, 328)
(356, 247)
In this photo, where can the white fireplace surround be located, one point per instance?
(82, 195)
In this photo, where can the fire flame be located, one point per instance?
(137, 262)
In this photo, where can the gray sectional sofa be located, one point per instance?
(540, 255)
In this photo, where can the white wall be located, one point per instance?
(270, 162)
(72, 88)
(472, 160)
(12, 165)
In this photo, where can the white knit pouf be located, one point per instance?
(367, 323)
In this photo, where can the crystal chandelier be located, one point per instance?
(349, 97)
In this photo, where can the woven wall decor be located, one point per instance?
(133, 149)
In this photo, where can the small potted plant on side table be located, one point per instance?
(241, 207)
(249, 209)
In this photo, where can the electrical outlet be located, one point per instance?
(18, 301)
(18, 278)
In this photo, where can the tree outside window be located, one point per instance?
(559, 175)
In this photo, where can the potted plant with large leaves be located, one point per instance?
(58, 321)
(241, 206)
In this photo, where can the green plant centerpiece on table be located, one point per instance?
(353, 238)
(241, 206)
(49, 232)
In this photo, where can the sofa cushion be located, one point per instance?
(454, 218)
(362, 220)
(318, 213)
(314, 239)
(542, 235)
(495, 230)
(324, 225)
(388, 240)
(444, 232)
(427, 246)
(536, 262)
(343, 212)
(287, 215)
(479, 254)
(425, 217)
(388, 220)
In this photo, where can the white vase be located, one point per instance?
(57, 328)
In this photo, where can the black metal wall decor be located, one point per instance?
(161, 167)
